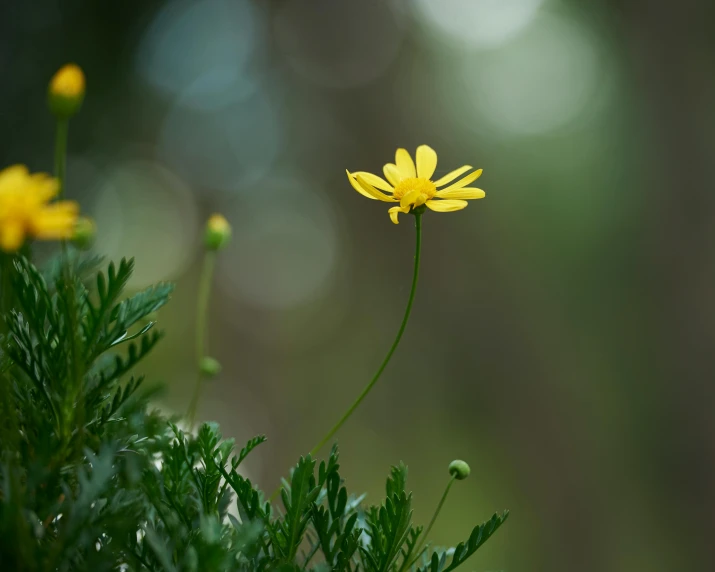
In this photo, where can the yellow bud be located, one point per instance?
(218, 232)
(85, 231)
(66, 91)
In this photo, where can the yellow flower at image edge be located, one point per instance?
(412, 185)
(26, 210)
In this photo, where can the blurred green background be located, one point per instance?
(563, 332)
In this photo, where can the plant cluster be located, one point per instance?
(92, 478)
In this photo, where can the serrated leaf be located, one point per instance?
(464, 550)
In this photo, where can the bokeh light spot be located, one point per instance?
(225, 149)
(477, 24)
(284, 246)
(143, 209)
(542, 81)
(201, 50)
(338, 44)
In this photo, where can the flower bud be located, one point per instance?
(85, 231)
(209, 366)
(218, 232)
(66, 91)
(459, 470)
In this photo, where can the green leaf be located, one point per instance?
(128, 312)
(121, 365)
(297, 501)
(335, 524)
(389, 525)
(252, 444)
(479, 536)
(108, 289)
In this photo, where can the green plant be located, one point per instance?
(92, 478)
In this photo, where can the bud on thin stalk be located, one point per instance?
(218, 232)
(85, 232)
(66, 91)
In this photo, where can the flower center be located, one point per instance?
(421, 186)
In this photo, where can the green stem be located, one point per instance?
(425, 535)
(373, 381)
(5, 290)
(61, 136)
(74, 370)
(201, 321)
(61, 153)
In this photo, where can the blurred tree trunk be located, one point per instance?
(672, 56)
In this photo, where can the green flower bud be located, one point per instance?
(66, 91)
(209, 366)
(218, 232)
(459, 469)
(85, 231)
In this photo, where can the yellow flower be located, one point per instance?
(25, 208)
(413, 187)
(66, 91)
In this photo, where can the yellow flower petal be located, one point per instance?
(409, 198)
(446, 206)
(46, 187)
(463, 193)
(358, 187)
(392, 173)
(13, 176)
(464, 181)
(56, 221)
(375, 181)
(405, 164)
(451, 176)
(426, 161)
(25, 210)
(394, 211)
(368, 188)
(12, 235)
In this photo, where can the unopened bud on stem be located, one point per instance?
(85, 232)
(209, 366)
(66, 91)
(459, 470)
(218, 232)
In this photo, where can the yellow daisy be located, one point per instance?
(413, 187)
(25, 208)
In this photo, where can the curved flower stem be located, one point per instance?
(373, 381)
(425, 535)
(201, 318)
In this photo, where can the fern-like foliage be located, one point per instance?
(335, 522)
(480, 534)
(92, 479)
